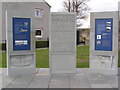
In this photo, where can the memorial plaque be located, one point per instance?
(21, 33)
(103, 34)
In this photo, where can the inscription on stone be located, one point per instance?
(63, 43)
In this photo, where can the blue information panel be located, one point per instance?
(21, 34)
(103, 34)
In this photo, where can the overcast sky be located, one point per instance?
(95, 6)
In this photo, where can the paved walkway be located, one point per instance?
(84, 78)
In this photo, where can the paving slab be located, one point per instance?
(97, 79)
(118, 71)
(21, 82)
(119, 78)
(3, 71)
(59, 81)
(114, 82)
(0, 82)
(40, 82)
(83, 78)
(101, 86)
(43, 72)
(119, 81)
(6, 80)
(41, 79)
(79, 71)
(99, 71)
(79, 81)
(0, 71)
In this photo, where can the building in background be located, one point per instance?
(41, 11)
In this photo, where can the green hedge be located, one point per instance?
(3, 46)
(42, 44)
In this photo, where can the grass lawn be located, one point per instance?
(82, 58)
(119, 59)
(3, 62)
(42, 58)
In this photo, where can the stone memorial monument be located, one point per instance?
(21, 59)
(104, 41)
(63, 43)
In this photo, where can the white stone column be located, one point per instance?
(63, 43)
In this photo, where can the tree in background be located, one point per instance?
(80, 7)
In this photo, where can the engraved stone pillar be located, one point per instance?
(63, 43)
